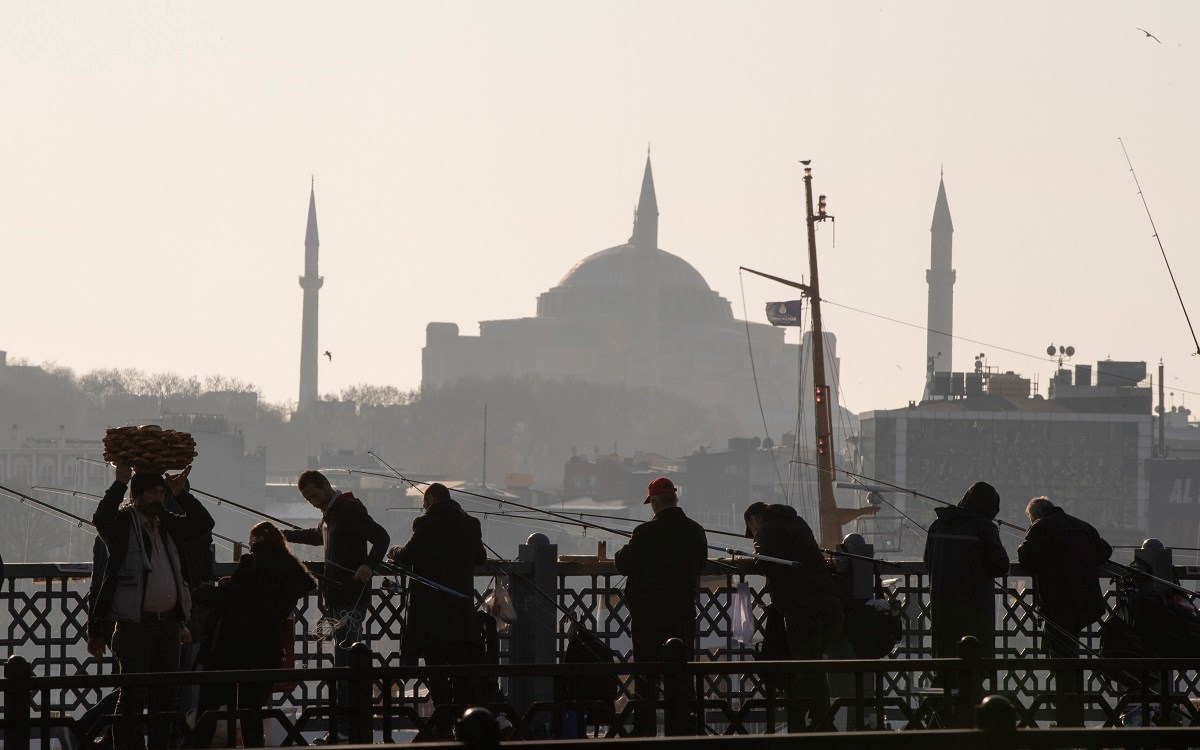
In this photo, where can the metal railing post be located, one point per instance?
(675, 694)
(360, 694)
(970, 684)
(535, 631)
(18, 691)
(998, 720)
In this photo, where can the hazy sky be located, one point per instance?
(155, 162)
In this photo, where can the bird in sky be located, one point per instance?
(329, 354)
(1147, 33)
(806, 162)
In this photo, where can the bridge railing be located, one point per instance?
(43, 618)
(376, 706)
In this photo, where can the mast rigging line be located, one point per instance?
(757, 391)
(1161, 249)
(997, 347)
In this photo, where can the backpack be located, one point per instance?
(585, 647)
(872, 632)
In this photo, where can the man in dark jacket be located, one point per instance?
(345, 531)
(1064, 555)
(663, 561)
(964, 556)
(445, 546)
(144, 589)
(805, 594)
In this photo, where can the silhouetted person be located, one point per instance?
(812, 610)
(1064, 555)
(144, 590)
(963, 555)
(354, 545)
(445, 546)
(663, 561)
(252, 606)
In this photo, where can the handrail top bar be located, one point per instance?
(843, 666)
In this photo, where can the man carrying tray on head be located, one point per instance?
(144, 590)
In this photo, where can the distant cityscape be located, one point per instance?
(633, 367)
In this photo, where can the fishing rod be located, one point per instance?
(523, 506)
(96, 498)
(1138, 546)
(1161, 249)
(1163, 581)
(61, 515)
(907, 491)
(387, 567)
(1029, 608)
(500, 500)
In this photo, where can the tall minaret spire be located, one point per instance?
(645, 221)
(940, 277)
(310, 282)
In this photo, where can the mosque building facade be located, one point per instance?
(636, 315)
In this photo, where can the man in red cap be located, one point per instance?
(663, 561)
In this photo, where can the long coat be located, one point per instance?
(663, 561)
(252, 604)
(445, 547)
(963, 555)
(1064, 554)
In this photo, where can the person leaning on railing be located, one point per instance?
(445, 546)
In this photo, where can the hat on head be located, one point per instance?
(752, 510)
(143, 481)
(660, 486)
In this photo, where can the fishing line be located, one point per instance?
(96, 498)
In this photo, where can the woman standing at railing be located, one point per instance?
(252, 605)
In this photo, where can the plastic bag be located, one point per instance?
(499, 604)
(742, 614)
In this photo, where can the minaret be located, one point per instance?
(940, 277)
(645, 220)
(643, 366)
(311, 283)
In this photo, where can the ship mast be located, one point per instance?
(832, 518)
(831, 525)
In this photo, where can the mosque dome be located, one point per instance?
(619, 280)
(625, 265)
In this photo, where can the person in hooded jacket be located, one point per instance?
(964, 556)
(812, 609)
(252, 605)
(445, 546)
